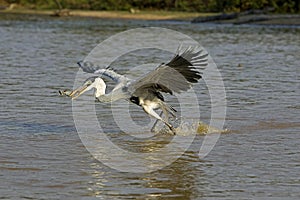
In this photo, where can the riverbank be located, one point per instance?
(132, 14)
(260, 19)
(251, 17)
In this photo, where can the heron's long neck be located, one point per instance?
(110, 97)
(100, 91)
(100, 94)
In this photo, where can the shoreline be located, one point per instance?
(255, 19)
(135, 15)
(249, 17)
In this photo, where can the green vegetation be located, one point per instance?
(280, 6)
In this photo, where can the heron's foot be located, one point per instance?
(172, 129)
(173, 118)
(153, 129)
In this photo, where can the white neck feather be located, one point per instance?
(100, 94)
(100, 87)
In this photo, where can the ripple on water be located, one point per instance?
(42, 156)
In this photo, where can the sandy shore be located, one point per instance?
(142, 15)
(263, 19)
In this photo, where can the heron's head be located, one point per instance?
(93, 82)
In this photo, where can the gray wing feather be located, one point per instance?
(175, 76)
(87, 66)
(108, 73)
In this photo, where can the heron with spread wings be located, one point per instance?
(178, 75)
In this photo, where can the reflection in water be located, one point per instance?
(42, 156)
(162, 183)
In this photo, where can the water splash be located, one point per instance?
(186, 127)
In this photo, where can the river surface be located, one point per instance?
(43, 157)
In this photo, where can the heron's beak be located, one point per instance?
(77, 92)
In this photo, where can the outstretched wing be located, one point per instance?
(108, 73)
(177, 75)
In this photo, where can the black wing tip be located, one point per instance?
(79, 62)
(190, 63)
(90, 67)
(109, 68)
(86, 66)
(193, 52)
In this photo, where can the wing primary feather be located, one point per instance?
(86, 66)
(183, 70)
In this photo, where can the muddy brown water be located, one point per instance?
(42, 156)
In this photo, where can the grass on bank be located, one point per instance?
(133, 14)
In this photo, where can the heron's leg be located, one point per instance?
(165, 114)
(167, 110)
(156, 121)
(151, 112)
